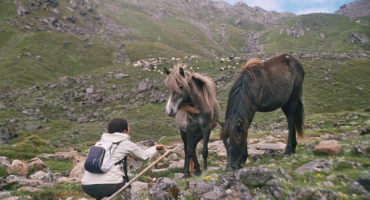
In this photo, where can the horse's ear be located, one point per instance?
(166, 71)
(182, 72)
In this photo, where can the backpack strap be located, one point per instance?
(124, 161)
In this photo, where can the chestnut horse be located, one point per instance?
(192, 100)
(262, 86)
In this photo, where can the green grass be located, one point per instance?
(28, 148)
(57, 60)
(337, 31)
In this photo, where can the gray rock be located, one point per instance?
(144, 86)
(272, 186)
(214, 195)
(179, 176)
(283, 173)
(4, 162)
(362, 151)
(360, 186)
(5, 194)
(23, 181)
(30, 127)
(120, 76)
(82, 119)
(199, 187)
(165, 188)
(317, 165)
(229, 187)
(47, 178)
(313, 193)
(255, 176)
(6, 135)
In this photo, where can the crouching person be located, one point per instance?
(105, 184)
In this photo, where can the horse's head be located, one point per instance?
(178, 90)
(234, 134)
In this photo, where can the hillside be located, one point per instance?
(68, 66)
(355, 9)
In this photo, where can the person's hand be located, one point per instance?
(159, 147)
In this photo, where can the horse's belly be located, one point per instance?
(272, 104)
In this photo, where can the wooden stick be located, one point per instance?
(141, 173)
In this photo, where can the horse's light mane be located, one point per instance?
(209, 92)
(175, 77)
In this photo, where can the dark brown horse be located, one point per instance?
(263, 86)
(192, 100)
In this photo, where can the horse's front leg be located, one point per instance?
(195, 159)
(184, 140)
(228, 155)
(242, 156)
(188, 152)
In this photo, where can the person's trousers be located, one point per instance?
(100, 191)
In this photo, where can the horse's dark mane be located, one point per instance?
(239, 105)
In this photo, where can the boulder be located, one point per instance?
(255, 176)
(78, 159)
(331, 147)
(199, 188)
(23, 181)
(165, 188)
(313, 193)
(18, 168)
(78, 171)
(317, 165)
(230, 188)
(47, 178)
(36, 164)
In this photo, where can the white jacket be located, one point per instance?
(125, 147)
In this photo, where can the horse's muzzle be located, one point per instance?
(172, 114)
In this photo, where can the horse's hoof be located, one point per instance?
(197, 173)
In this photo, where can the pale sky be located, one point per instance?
(297, 7)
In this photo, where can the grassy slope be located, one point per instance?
(57, 60)
(337, 30)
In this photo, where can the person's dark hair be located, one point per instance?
(117, 125)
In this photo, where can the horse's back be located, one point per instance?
(281, 75)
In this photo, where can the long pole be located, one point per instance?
(140, 174)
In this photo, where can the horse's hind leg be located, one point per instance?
(289, 110)
(206, 134)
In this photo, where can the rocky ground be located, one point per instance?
(325, 159)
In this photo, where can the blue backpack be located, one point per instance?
(98, 159)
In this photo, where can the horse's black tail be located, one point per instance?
(299, 115)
